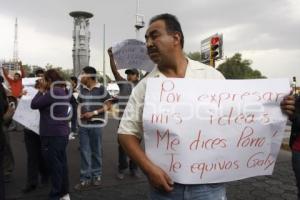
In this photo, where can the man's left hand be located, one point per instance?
(288, 105)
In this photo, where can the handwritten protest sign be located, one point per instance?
(24, 114)
(210, 131)
(132, 53)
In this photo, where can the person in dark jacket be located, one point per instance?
(52, 101)
(295, 142)
(3, 108)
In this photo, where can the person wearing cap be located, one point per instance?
(15, 83)
(125, 86)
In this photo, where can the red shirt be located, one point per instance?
(16, 86)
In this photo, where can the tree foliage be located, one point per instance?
(194, 55)
(65, 73)
(237, 68)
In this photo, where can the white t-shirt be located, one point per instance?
(132, 120)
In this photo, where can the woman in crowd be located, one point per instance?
(52, 101)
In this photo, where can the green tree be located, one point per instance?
(27, 69)
(194, 55)
(30, 70)
(237, 68)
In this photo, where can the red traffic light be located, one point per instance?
(214, 40)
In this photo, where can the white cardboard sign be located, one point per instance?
(210, 131)
(132, 53)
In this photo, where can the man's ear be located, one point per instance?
(177, 38)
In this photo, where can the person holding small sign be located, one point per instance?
(125, 86)
(165, 41)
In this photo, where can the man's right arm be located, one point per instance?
(5, 73)
(113, 66)
(157, 177)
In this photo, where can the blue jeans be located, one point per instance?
(191, 192)
(90, 140)
(296, 168)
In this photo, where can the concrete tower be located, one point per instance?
(81, 40)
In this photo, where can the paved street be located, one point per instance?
(279, 186)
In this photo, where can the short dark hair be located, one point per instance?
(74, 79)
(172, 24)
(91, 71)
(39, 71)
(18, 74)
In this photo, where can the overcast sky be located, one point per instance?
(265, 31)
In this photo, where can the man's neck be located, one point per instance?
(175, 69)
(134, 82)
(91, 84)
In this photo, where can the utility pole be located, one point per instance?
(139, 20)
(104, 73)
(139, 24)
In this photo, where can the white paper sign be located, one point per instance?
(210, 131)
(132, 53)
(24, 114)
(29, 81)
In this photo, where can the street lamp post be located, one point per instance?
(104, 73)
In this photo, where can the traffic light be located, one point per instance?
(215, 49)
(216, 45)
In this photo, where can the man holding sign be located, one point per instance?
(164, 39)
(125, 86)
